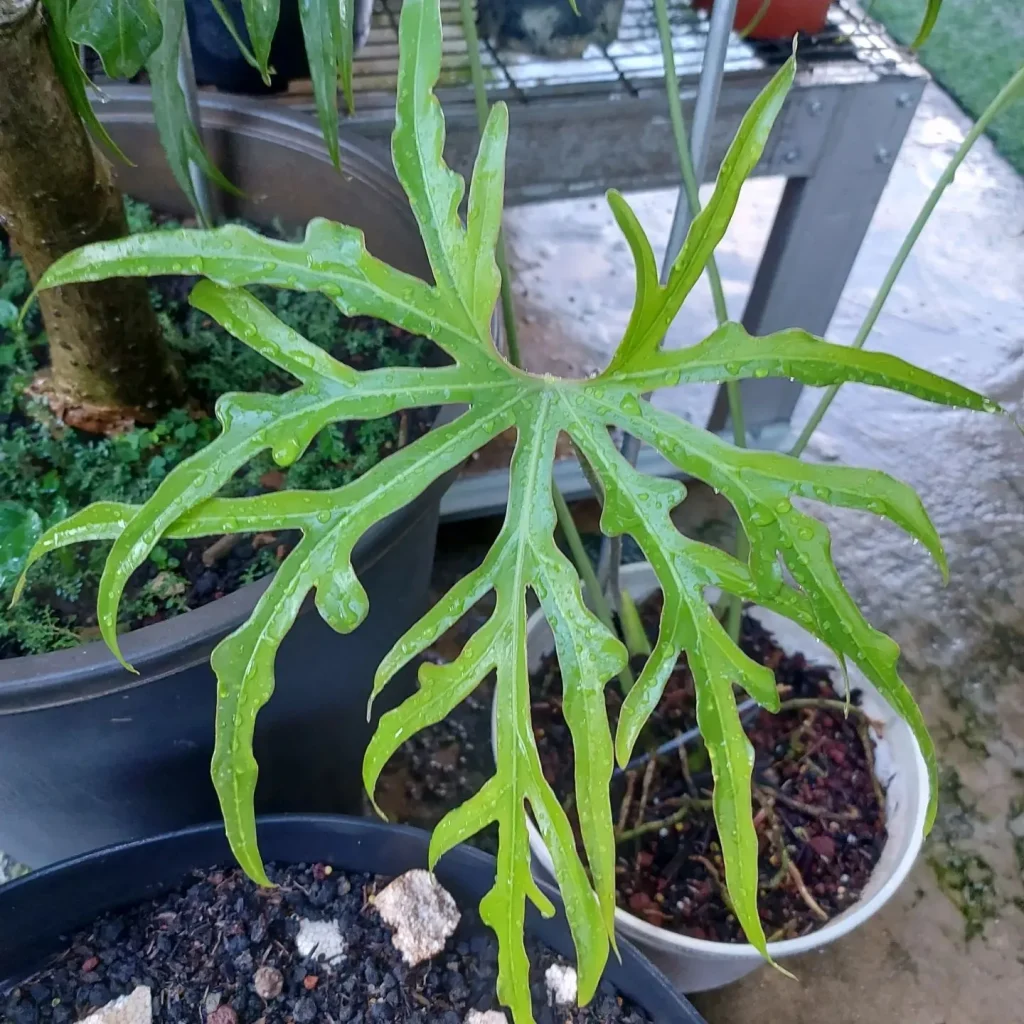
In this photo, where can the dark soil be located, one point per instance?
(55, 469)
(818, 806)
(198, 950)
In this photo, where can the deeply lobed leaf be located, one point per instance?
(455, 312)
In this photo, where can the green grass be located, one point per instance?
(976, 47)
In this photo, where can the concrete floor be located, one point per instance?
(958, 309)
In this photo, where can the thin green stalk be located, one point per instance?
(508, 312)
(584, 566)
(691, 187)
(1012, 91)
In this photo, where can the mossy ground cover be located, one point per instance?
(55, 469)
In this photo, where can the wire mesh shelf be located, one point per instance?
(632, 63)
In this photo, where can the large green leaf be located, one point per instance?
(125, 33)
(455, 311)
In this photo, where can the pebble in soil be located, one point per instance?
(816, 798)
(209, 949)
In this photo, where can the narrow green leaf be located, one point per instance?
(435, 191)
(72, 74)
(244, 665)
(320, 25)
(331, 259)
(483, 221)
(125, 33)
(245, 316)
(730, 353)
(432, 625)
(178, 135)
(648, 290)
(588, 656)
(229, 24)
(931, 16)
(344, 35)
(709, 226)
(261, 18)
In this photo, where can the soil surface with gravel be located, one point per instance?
(209, 949)
(819, 810)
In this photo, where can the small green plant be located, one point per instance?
(455, 312)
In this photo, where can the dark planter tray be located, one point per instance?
(37, 910)
(90, 754)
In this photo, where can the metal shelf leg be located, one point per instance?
(818, 230)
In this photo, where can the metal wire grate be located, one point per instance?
(630, 65)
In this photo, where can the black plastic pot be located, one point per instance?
(91, 755)
(551, 28)
(36, 911)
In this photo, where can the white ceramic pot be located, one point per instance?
(695, 965)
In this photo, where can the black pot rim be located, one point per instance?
(633, 975)
(39, 681)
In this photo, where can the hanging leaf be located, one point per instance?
(229, 23)
(261, 18)
(455, 312)
(320, 20)
(125, 33)
(72, 74)
(178, 135)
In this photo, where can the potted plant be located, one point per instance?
(857, 840)
(777, 19)
(69, 935)
(783, 19)
(102, 392)
(455, 312)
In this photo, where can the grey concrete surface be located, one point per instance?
(950, 947)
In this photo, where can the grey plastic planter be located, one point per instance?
(91, 755)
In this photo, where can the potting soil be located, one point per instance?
(223, 950)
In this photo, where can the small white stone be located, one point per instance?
(1017, 827)
(134, 1008)
(320, 938)
(561, 985)
(421, 912)
(486, 1017)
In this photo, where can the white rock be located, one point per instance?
(135, 1008)
(320, 938)
(561, 985)
(422, 913)
(485, 1017)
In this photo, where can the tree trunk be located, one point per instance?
(109, 361)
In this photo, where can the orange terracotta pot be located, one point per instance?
(781, 20)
